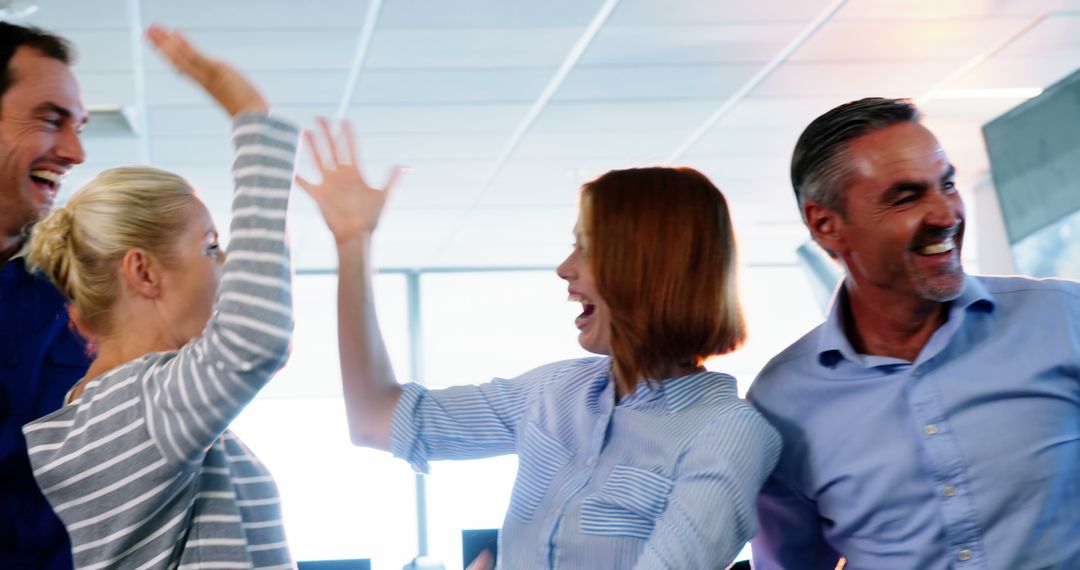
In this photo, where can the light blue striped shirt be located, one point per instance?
(966, 458)
(664, 479)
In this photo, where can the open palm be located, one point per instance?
(349, 205)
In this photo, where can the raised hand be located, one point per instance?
(221, 81)
(349, 205)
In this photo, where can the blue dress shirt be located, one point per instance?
(40, 360)
(663, 479)
(968, 457)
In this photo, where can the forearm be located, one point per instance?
(370, 389)
(255, 302)
(197, 393)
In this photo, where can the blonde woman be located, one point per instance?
(139, 464)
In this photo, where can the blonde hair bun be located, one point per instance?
(79, 245)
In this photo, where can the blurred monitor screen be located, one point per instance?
(1034, 154)
(355, 564)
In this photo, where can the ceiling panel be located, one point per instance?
(1052, 34)
(654, 82)
(203, 120)
(498, 14)
(931, 10)
(597, 116)
(101, 51)
(437, 118)
(284, 50)
(296, 87)
(441, 86)
(749, 140)
(409, 149)
(445, 85)
(621, 144)
(1004, 72)
(888, 40)
(254, 14)
(692, 13)
(846, 81)
(521, 180)
(699, 44)
(976, 110)
(469, 48)
(69, 16)
(786, 112)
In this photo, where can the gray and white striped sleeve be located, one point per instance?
(191, 399)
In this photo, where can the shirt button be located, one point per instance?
(916, 372)
(949, 491)
(964, 555)
(590, 462)
(930, 429)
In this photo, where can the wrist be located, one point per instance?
(358, 241)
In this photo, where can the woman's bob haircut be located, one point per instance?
(662, 251)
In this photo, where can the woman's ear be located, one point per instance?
(141, 273)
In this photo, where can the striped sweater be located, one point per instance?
(141, 468)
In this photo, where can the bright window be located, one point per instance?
(339, 501)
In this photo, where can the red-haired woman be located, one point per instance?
(639, 458)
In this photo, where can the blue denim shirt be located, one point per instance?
(665, 478)
(40, 360)
(968, 457)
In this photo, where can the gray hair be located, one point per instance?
(819, 165)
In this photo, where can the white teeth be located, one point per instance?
(936, 248)
(575, 298)
(47, 175)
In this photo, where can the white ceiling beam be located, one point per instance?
(527, 121)
(138, 79)
(981, 58)
(364, 42)
(756, 80)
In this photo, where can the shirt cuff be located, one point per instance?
(404, 429)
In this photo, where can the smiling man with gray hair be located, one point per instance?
(933, 420)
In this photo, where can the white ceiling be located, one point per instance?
(502, 108)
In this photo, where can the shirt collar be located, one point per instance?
(676, 394)
(833, 343)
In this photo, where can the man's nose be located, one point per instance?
(69, 147)
(943, 209)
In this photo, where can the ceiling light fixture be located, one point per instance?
(110, 121)
(992, 93)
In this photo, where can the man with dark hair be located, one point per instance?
(933, 420)
(41, 114)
